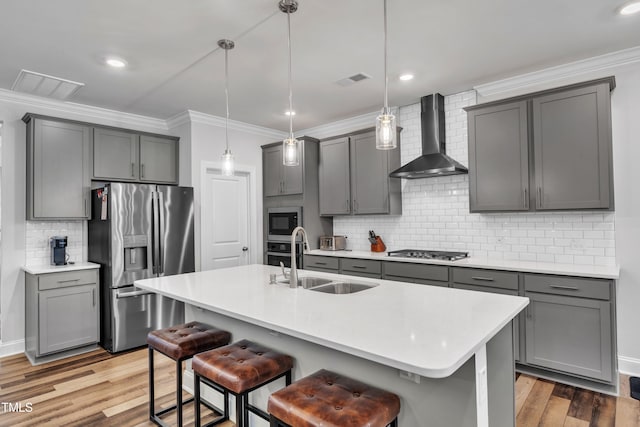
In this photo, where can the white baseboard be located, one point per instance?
(12, 347)
(629, 366)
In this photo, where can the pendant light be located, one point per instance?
(228, 168)
(290, 144)
(386, 122)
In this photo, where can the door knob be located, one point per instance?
(245, 249)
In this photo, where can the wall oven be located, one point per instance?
(278, 252)
(282, 221)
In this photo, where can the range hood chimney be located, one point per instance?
(434, 160)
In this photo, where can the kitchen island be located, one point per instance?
(447, 353)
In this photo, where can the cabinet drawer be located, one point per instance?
(66, 279)
(491, 278)
(416, 271)
(361, 266)
(416, 281)
(571, 286)
(324, 262)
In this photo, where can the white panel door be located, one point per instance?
(225, 220)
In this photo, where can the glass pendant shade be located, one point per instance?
(290, 152)
(386, 131)
(228, 167)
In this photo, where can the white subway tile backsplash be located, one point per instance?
(37, 240)
(436, 211)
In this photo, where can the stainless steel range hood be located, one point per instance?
(434, 160)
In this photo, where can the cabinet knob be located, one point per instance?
(245, 249)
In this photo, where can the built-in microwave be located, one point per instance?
(282, 222)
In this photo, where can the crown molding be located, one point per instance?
(589, 65)
(87, 112)
(344, 126)
(191, 116)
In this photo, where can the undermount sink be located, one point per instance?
(343, 287)
(308, 282)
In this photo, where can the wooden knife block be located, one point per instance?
(378, 246)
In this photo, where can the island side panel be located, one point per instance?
(441, 402)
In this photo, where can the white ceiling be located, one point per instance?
(175, 63)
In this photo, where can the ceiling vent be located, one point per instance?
(353, 79)
(43, 85)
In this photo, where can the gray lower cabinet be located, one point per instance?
(58, 169)
(322, 263)
(492, 281)
(158, 159)
(115, 155)
(361, 267)
(548, 150)
(499, 158)
(354, 177)
(281, 180)
(423, 274)
(571, 327)
(62, 312)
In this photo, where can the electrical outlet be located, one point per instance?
(410, 376)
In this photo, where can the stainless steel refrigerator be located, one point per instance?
(139, 231)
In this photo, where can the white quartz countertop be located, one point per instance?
(44, 269)
(426, 330)
(594, 271)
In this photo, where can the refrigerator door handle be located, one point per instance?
(160, 206)
(154, 232)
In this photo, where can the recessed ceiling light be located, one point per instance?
(289, 113)
(115, 62)
(630, 8)
(406, 77)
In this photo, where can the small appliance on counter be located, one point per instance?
(377, 245)
(333, 243)
(58, 246)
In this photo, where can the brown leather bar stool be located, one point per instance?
(331, 400)
(180, 343)
(239, 369)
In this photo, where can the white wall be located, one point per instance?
(207, 137)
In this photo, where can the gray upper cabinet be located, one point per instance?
(334, 175)
(369, 176)
(158, 159)
(548, 150)
(281, 180)
(58, 169)
(499, 158)
(115, 155)
(572, 146)
(354, 177)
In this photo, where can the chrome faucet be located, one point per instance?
(293, 274)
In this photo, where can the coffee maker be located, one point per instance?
(58, 250)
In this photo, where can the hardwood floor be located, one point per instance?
(99, 389)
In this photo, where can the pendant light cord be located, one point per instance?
(386, 79)
(226, 94)
(290, 89)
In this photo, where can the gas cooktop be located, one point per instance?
(440, 255)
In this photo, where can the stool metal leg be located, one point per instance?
(151, 386)
(239, 410)
(196, 390)
(179, 391)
